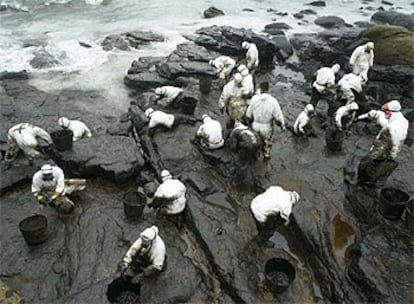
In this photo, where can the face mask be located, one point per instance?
(48, 177)
(387, 110)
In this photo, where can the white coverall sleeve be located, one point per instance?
(354, 56)
(36, 184)
(87, 132)
(371, 59)
(60, 186)
(42, 134)
(249, 111)
(223, 99)
(201, 132)
(132, 251)
(278, 115)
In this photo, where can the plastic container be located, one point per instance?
(334, 139)
(409, 214)
(279, 273)
(121, 290)
(188, 105)
(62, 139)
(392, 203)
(34, 229)
(134, 204)
(204, 84)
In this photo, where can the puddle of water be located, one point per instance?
(343, 237)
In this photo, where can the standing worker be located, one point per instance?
(323, 85)
(346, 112)
(231, 99)
(266, 208)
(252, 55)
(362, 59)
(263, 111)
(26, 137)
(147, 256)
(247, 81)
(79, 129)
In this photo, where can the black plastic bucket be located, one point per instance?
(334, 139)
(409, 214)
(62, 139)
(380, 170)
(34, 229)
(134, 204)
(392, 203)
(205, 84)
(121, 290)
(279, 273)
(188, 105)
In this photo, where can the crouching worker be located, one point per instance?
(267, 206)
(50, 187)
(302, 126)
(146, 257)
(169, 199)
(210, 134)
(170, 121)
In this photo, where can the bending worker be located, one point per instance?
(223, 66)
(210, 133)
(79, 129)
(252, 55)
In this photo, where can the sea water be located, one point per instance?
(57, 26)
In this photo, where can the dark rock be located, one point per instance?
(298, 15)
(43, 60)
(119, 160)
(212, 12)
(84, 44)
(150, 188)
(121, 129)
(363, 24)
(133, 39)
(308, 12)
(274, 28)
(34, 42)
(387, 2)
(172, 70)
(144, 64)
(115, 41)
(144, 80)
(21, 75)
(394, 45)
(394, 18)
(381, 8)
(247, 10)
(284, 47)
(317, 3)
(192, 52)
(330, 21)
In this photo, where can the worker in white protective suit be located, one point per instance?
(377, 115)
(26, 137)
(362, 59)
(389, 140)
(252, 55)
(160, 118)
(263, 111)
(50, 187)
(247, 84)
(347, 111)
(146, 256)
(323, 86)
(79, 129)
(210, 133)
(267, 206)
(350, 87)
(231, 99)
(167, 95)
(169, 198)
(303, 119)
(223, 66)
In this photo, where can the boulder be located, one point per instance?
(144, 80)
(298, 15)
(134, 39)
(308, 12)
(317, 3)
(330, 21)
(393, 45)
(115, 41)
(43, 60)
(212, 12)
(276, 27)
(394, 18)
(144, 64)
(113, 157)
(172, 70)
(21, 75)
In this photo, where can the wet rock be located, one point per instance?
(121, 129)
(34, 42)
(298, 15)
(395, 44)
(115, 41)
(330, 21)
(43, 60)
(308, 12)
(317, 3)
(134, 39)
(172, 70)
(144, 80)
(387, 2)
(284, 46)
(363, 24)
(212, 12)
(21, 75)
(275, 28)
(84, 44)
(247, 10)
(144, 64)
(394, 18)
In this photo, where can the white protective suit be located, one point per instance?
(156, 253)
(231, 98)
(348, 83)
(247, 82)
(57, 184)
(325, 78)
(345, 111)
(79, 129)
(175, 190)
(274, 200)
(361, 60)
(252, 54)
(167, 94)
(159, 118)
(211, 132)
(302, 120)
(377, 115)
(25, 136)
(224, 65)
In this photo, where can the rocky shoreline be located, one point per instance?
(342, 248)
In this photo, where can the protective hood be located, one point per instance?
(309, 108)
(150, 233)
(165, 174)
(46, 169)
(243, 70)
(211, 62)
(238, 78)
(63, 122)
(160, 91)
(245, 45)
(148, 112)
(353, 106)
(335, 68)
(206, 118)
(370, 45)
